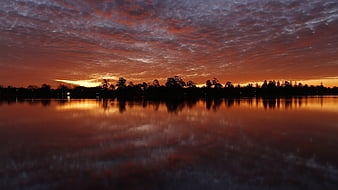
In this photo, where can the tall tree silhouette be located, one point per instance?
(105, 84)
(175, 82)
(208, 84)
(121, 82)
(216, 83)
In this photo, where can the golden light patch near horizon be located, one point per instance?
(85, 83)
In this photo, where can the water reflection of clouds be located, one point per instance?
(188, 145)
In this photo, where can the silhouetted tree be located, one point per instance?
(170, 82)
(265, 84)
(45, 86)
(63, 87)
(105, 83)
(156, 83)
(271, 84)
(131, 84)
(144, 85)
(250, 85)
(32, 87)
(208, 84)
(216, 83)
(175, 89)
(228, 84)
(176, 82)
(121, 82)
(287, 84)
(44, 91)
(62, 91)
(179, 81)
(191, 84)
(278, 84)
(112, 87)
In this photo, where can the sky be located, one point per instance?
(84, 41)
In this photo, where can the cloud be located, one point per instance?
(262, 39)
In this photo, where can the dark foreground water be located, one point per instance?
(227, 144)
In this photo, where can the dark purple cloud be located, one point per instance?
(238, 40)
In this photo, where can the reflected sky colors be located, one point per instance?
(233, 143)
(77, 41)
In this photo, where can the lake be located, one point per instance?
(247, 143)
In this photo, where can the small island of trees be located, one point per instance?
(174, 88)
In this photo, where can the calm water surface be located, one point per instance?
(226, 144)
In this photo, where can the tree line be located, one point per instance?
(174, 88)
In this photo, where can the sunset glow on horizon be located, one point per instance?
(328, 82)
(81, 42)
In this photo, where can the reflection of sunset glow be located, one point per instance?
(162, 142)
(78, 105)
(294, 103)
(94, 106)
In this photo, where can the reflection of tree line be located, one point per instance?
(177, 105)
(174, 88)
(172, 106)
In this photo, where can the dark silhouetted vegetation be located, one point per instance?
(175, 88)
